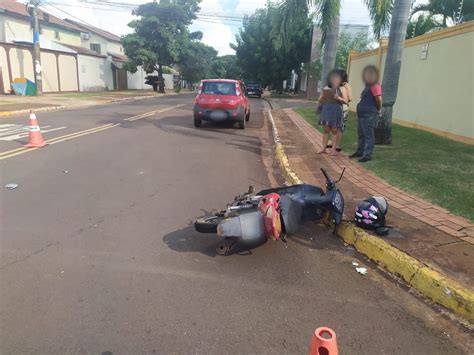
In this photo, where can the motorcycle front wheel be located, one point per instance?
(207, 224)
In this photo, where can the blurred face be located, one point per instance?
(370, 76)
(335, 80)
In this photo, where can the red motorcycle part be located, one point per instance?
(269, 206)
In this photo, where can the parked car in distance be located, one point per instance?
(221, 100)
(254, 90)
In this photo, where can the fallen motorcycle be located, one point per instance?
(272, 213)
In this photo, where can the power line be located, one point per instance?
(68, 14)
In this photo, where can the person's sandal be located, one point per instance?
(338, 149)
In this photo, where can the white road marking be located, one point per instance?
(11, 132)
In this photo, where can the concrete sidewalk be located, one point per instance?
(424, 231)
(15, 104)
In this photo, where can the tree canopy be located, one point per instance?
(195, 61)
(160, 35)
(258, 52)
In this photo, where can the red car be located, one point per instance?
(221, 100)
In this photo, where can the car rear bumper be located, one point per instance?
(254, 93)
(219, 115)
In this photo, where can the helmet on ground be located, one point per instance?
(370, 214)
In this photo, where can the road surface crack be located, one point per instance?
(27, 256)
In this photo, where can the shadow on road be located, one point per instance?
(187, 240)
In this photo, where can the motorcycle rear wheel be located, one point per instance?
(207, 224)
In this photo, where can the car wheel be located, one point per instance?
(242, 123)
(247, 116)
(197, 122)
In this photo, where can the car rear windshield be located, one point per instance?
(218, 88)
(253, 86)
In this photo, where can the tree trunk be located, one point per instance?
(161, 80)
(393, 62)
(330, 48)
(314, 60)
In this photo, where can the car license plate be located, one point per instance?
(218, 115)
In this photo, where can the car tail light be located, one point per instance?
(237, 89)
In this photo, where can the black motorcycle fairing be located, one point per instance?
(309, 192)
(313, 200)
(291, 214)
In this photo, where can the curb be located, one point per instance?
(60, 107)
(27, 110)
(290, 176)
(429, 282)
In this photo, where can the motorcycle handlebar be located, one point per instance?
(326, 175)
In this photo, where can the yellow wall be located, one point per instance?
(50, 72)
(115, 47)
(17, 29)
(105, 45)
(68, 73)
(435, 94)
(22, 63)
(355, 77)
(4, 66)
(65, 37)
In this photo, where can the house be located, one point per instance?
(108, 73)
(16, 51)
(75, 56)
(15, 25)
(108, 44)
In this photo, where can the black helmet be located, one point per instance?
(370, 214)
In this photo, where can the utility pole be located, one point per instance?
(33, 9)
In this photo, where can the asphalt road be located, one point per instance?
(98, 254)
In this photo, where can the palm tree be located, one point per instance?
(421, 25)
(450, 12)
(391, 75)
(327, 13)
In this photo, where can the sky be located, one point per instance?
(218, 29)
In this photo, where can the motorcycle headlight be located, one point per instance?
(338, 202)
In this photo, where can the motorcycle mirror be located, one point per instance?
(342, 174)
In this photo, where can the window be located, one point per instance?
(218, 88)
(56, 35)
(95, 47)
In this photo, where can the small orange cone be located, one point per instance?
(324, 342)
(35, 138)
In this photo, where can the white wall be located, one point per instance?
(136, 81)
(95, 74)
(168, 81)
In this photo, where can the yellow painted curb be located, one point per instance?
(429, 282)
(439, 288)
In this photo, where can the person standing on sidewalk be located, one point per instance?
(368, 111)
(333, 96)
(345, 108)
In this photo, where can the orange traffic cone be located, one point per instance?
(35, 138)
(324, 342)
